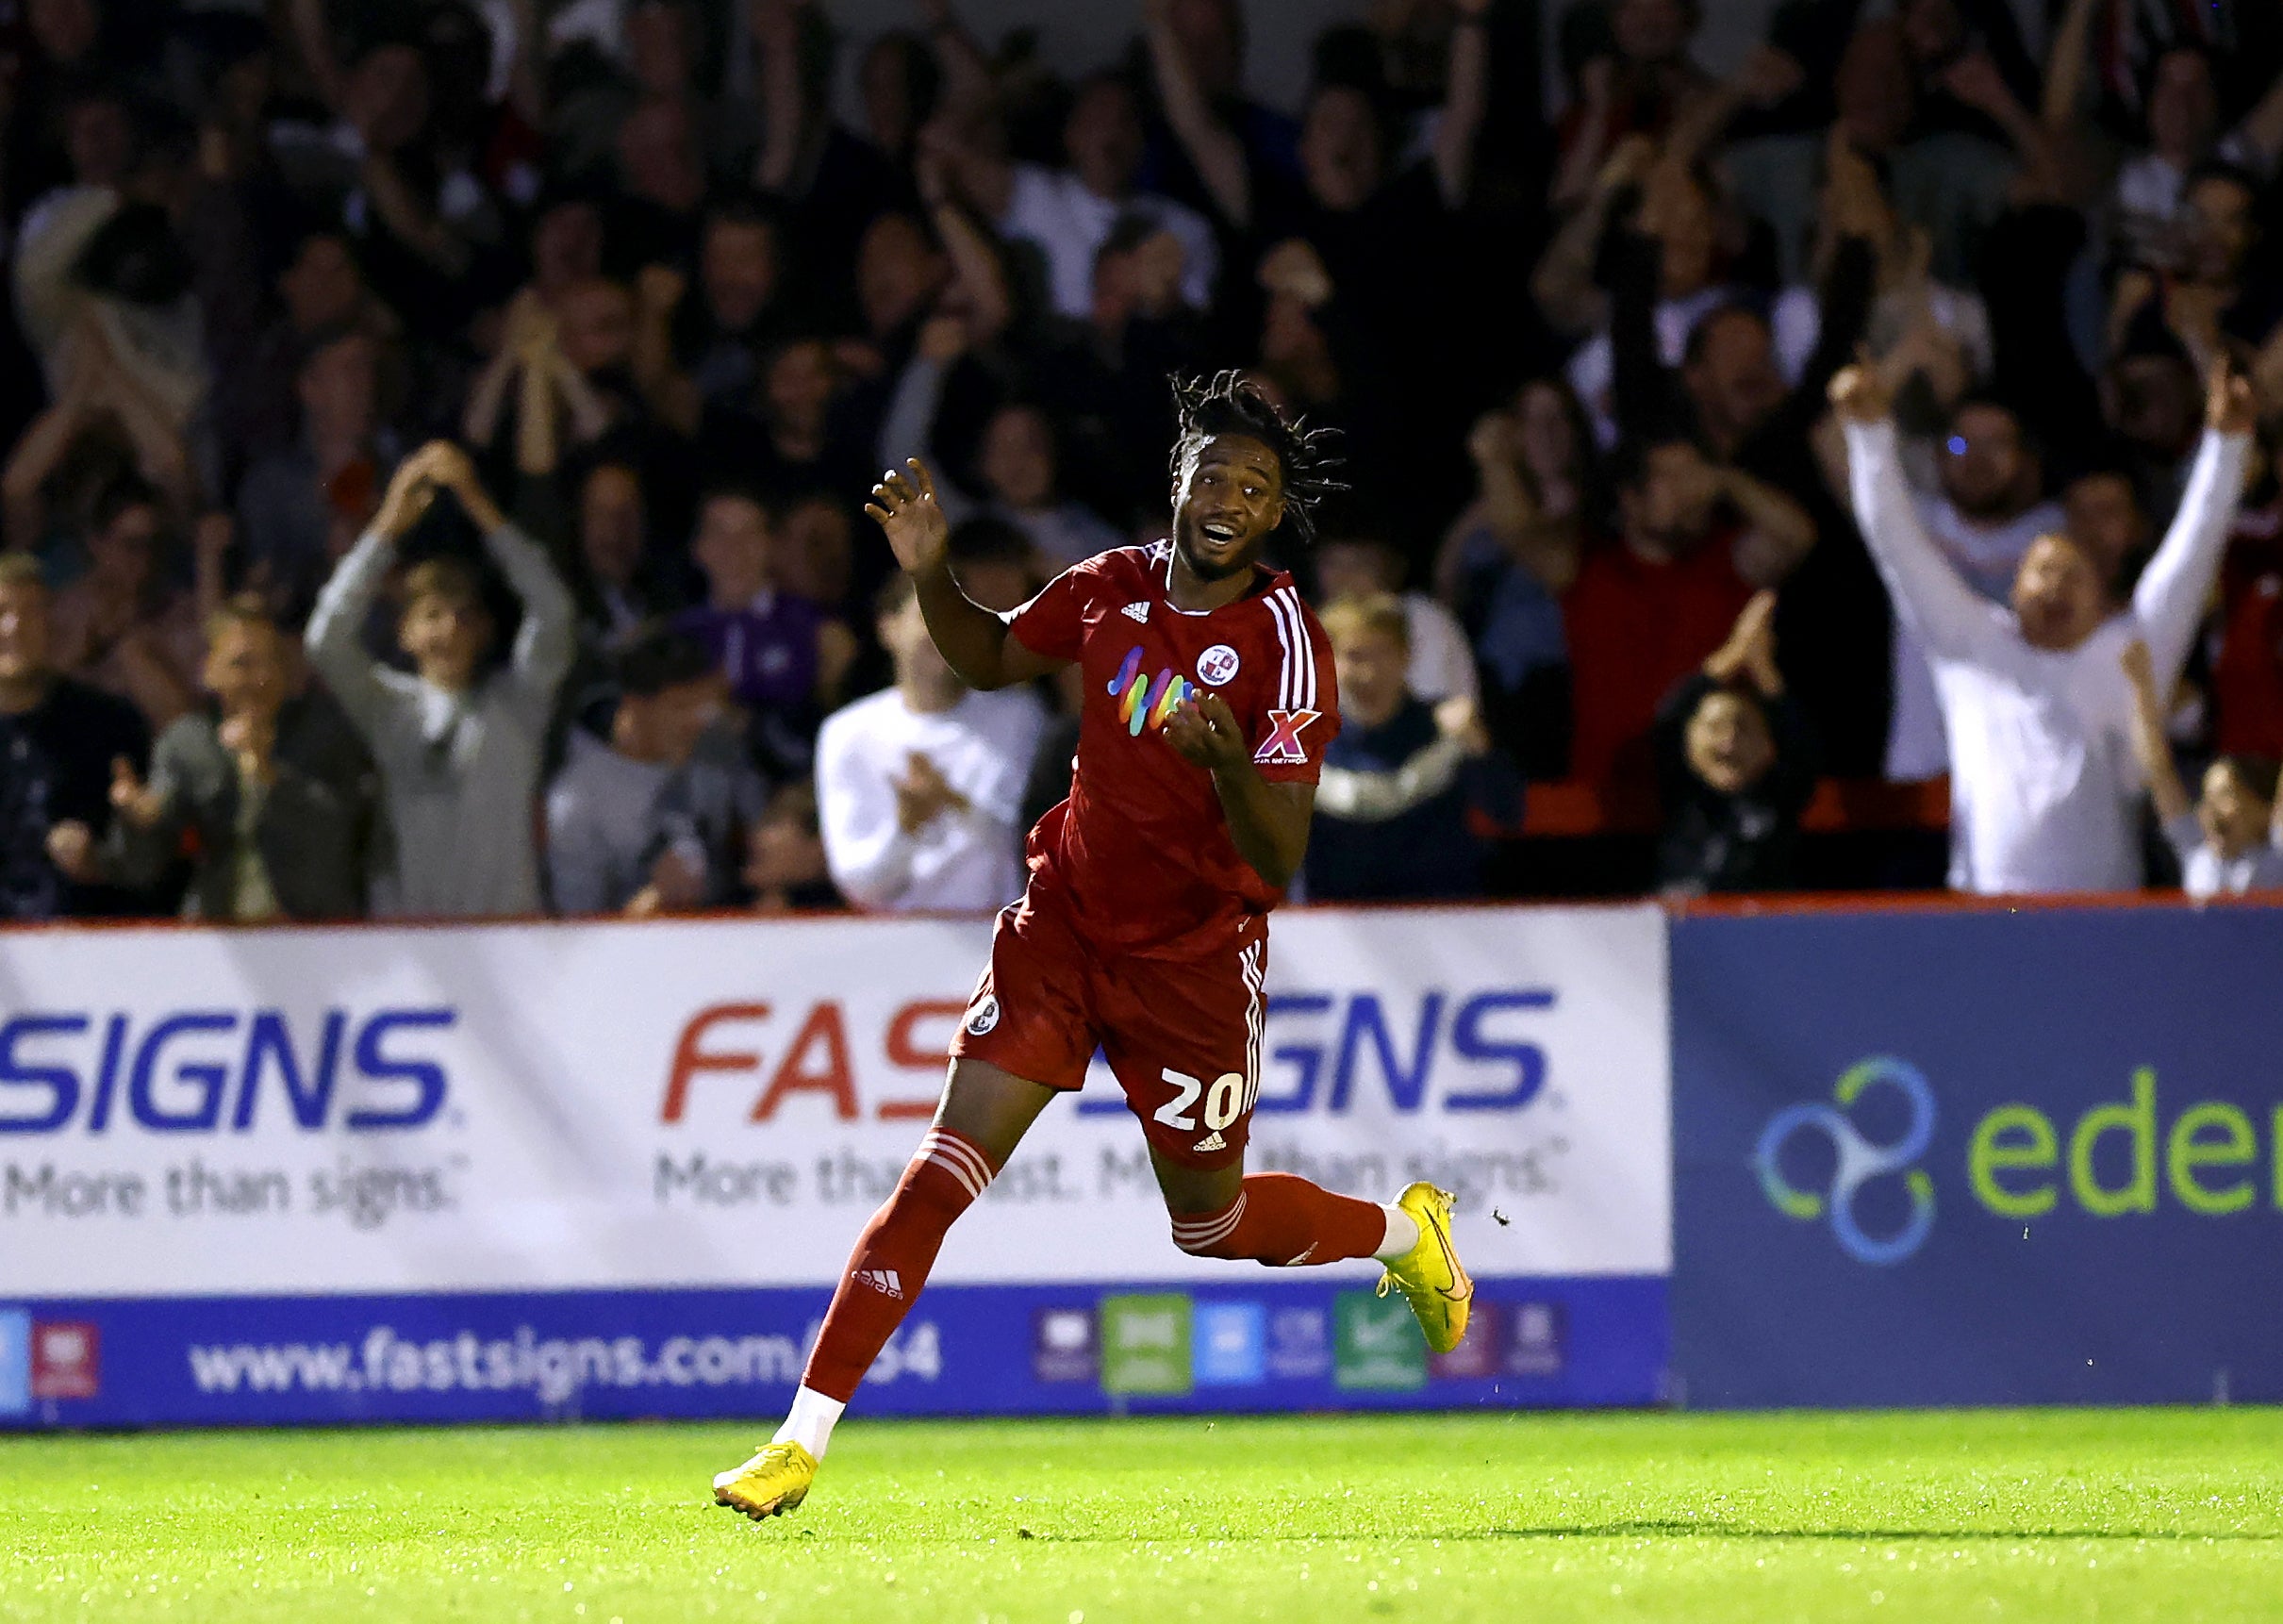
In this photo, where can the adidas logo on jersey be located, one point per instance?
(1213, 1141)
(883, 1280)
(1137, 612)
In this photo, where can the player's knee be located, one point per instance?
(1211, 1235)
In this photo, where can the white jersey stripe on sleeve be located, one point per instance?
(1302, 657)
(1303, 653)
(1284, 635)
(1300, 633)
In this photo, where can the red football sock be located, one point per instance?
(892, 1259)
(1281, 1219)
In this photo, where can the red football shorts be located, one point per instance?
(1182, 1036)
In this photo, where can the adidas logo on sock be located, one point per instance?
(1213, 1141)
(883, 1280)
(1136, 612)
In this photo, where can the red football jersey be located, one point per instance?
(1142, 846)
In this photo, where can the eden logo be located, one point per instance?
(1856, 1160)
(1282, 745)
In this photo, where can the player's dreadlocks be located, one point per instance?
(1229, 403)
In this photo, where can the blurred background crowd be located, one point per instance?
(435, 432)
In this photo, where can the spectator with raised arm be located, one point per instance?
(125, 624)
(1679, 212)
(1104, 378)
(703, 345)
(2230, 840)
(1637, 78)
(1066, 213)
(97, 399)
(458, 743)
(1196, 51)
(1696, 540)
(1734, 768)
(831, 182)
(2037, 709)
(2154, 184)
(1512, 554)
(1991, 510)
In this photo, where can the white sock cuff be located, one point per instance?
(809, 1423)
(1402, 1234)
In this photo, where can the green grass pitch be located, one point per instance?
(2075, 1515)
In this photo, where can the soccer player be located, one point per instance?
(1209, 699)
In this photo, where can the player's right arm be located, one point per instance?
(975, 641)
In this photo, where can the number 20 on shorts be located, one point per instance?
(1224, 1101)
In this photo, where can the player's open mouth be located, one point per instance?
(1218, 533)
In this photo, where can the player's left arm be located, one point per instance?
(1268, 821)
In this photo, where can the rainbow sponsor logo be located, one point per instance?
(1142, 702)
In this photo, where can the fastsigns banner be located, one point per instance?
(616, 1168)
(1982, 1158)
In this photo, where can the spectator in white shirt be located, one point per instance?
(2183, 132)
(919, 786)
(1988, 515)
(2231, 840)
(2043, 784)
(1068, 213)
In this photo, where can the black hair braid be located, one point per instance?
(1229, 403)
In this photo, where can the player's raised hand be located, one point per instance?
(906, 508)
(1204, 732)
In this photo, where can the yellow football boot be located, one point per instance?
(769, 1485)
(1429, 1275)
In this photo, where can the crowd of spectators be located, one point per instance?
(436, 434)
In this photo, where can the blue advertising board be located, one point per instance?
(1274, 1344)
(1981, 1157)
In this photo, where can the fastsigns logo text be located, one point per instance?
(187, 1070)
